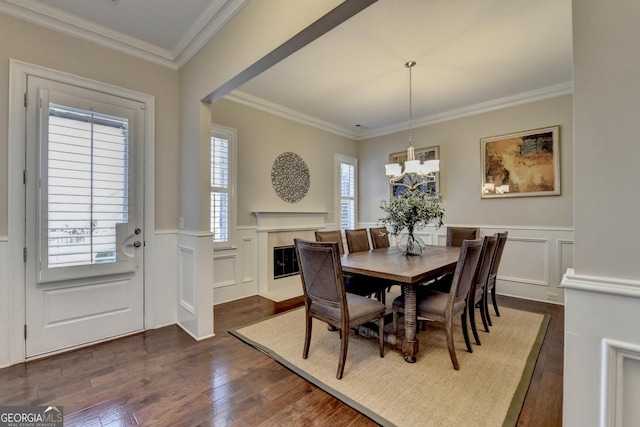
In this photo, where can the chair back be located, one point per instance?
(321, 272)
(455, 235)
(331, 236)
(495, 264)
(357, 240)
(466, 271)
(486, 261)
(379, 237)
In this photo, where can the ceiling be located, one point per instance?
(472, 55)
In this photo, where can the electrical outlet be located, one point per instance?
(181, 222)
(552, 297)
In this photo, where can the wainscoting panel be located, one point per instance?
(249, 264)
(235, 270)
(621, 377)
(601, 377)
(5, 304)
(186, 278)
(525, 260)
(165, 283)
(224, 267)
(533, 262)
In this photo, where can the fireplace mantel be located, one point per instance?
(269, 221)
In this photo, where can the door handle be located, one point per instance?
(135, 244)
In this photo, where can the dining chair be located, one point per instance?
(357, 240)
(379, 237)
(455, 235)
(493, 275)
(331, 236)
(477, 292)
(444, 307)
(326, 298)
(353, 284)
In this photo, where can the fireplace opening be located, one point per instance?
(285, 262)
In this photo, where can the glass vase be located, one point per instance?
(410, 244)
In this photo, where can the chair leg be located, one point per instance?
(452, 350)
(465, 331)
(472, 319)
(483, 314)
(486, 307)
(381, 335)
(493, 299)
(307, 337)
(396, 322)
(344, 344)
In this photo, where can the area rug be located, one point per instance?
(488, 390)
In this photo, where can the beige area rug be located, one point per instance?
(488, 390)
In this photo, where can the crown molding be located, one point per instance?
(212, 20)
(472, 110)
(475, 109)
(287, 113)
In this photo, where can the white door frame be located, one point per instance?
(18, 71)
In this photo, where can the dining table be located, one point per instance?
(409, 272)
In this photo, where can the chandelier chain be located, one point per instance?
(410, 66)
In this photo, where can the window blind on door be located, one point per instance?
(87, 185)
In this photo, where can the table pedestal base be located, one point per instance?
(410, 349)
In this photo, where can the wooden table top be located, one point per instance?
(389, 263)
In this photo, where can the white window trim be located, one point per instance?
(342, 158)
(232, 136)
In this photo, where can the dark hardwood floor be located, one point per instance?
(165, 378)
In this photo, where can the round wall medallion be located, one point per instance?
(290, 177)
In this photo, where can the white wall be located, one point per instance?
(602, 311)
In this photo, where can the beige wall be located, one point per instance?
(255, 31)
(607, 66)
(36, 45)
(460, 176)
(261, 138)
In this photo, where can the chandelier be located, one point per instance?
(416, 173)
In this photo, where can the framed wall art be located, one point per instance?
(422, 154)
(521, 164)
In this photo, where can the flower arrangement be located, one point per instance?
(410, 211)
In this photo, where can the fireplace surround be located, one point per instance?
(278, 229)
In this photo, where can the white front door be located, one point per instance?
(84, 216)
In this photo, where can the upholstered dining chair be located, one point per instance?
(353, 284)
(327, 300)
(455, 235)
(379, 237)
(490, 287)
(444, 307)
(477, 292)
(357, 240)
(331, 236)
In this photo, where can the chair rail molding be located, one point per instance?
(534, 261)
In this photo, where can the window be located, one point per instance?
(223, 141)
(347, 185)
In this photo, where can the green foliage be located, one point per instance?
(412, 210)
